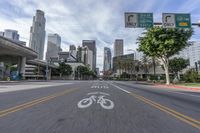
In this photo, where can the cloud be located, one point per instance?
(79, 20)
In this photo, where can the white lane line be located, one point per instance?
(121, 88)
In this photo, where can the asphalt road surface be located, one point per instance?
(99, 107)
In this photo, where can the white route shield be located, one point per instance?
(168, 20)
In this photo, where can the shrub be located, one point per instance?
(191, 76)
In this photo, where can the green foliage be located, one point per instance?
(55, 72)
(191, 76)
(65, 69)
(177, 64)
(163, 43)
(124, 75)
(146, 63)
(84, 71)
(159, 42)
(13, 68)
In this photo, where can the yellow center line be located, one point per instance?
(182, 117)
(34, 102)
(175, 112)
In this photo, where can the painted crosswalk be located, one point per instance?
(100, 86)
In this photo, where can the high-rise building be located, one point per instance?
(79, 54)
(1, 33)
(37, 33)
(118, 47)
(87, 57)
(66, 57)
(91, 44)
(53, 46)
(97, 72)
(107, 59)
(11, 34)
(72, 47)
(72, 50)
(123, 60)
(55, 38)
(192, 52)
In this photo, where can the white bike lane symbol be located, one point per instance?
(99, 98)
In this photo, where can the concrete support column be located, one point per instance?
(23, 63)
(21, 66)
(1, 70)
(7, 69)
(49, 74)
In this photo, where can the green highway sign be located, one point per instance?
(183, 20)
(176, 20)
(138, 20)
(145, 20)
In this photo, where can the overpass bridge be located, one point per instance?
(14, 53)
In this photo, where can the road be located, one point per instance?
(98, 107)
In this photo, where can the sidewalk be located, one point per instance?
(36, 85)
(171, 86)
(178, 87)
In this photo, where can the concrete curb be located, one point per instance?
(178, 87)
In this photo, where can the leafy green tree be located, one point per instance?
(65, 69)
(163, 43)
(82, 71)
(177, 64)
(146, 63)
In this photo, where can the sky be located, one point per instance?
(100, 20)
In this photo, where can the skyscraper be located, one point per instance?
(72, 50)
(79, 54)
(192, 52)
(72, 47)
(1, 33)
(87, 57)
(37, 33)
(118, 47)
(11, 34)
(107, 59)
(55, 38)
(53, 46)
(91, 44)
